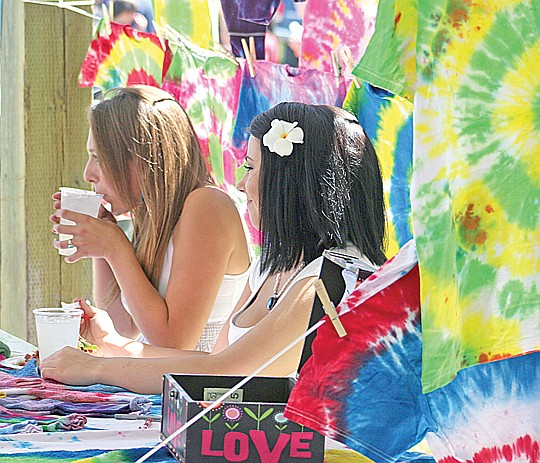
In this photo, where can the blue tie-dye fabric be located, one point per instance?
(365, 389)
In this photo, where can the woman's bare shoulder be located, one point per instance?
(210, 214)
(212, 199)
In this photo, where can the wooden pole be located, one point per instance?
(43, 148)
(13, 250)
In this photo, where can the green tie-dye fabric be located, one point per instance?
(191, 18)
(476, 179)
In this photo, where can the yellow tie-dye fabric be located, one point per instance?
(189, 17)
(476, 178)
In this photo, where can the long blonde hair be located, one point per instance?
(146, 127)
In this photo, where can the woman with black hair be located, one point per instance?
(313, 183)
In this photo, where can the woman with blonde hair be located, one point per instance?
(181, 275)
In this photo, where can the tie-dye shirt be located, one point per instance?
(259, 12)
(125, 57)
(274, 83)
(364, 389)
(387, 120)
(207, 85)
(330, 26)
(192, 18)
(472, 69)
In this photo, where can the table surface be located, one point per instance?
(99, 433)
(124, 439)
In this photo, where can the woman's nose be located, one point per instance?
(90, 172)
(240, 186)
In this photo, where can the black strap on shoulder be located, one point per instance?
(335, 285)
(331, 275)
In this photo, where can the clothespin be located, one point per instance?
(249, 56)
(160, 34)
(329, 308)
(252, 48)
(111, 9)
(336, 66)
(347, 62)
(107, 19)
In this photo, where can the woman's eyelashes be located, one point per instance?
(247, 166)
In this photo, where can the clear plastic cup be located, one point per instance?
(82, 201)
(56, 328)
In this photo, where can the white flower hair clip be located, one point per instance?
(281, 136)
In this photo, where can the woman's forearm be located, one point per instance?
(148, 308)
(144, 375)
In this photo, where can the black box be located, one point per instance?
(249, 427)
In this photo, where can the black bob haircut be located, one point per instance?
(327, 194)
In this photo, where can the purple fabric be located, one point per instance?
(239, 29)
(259, 12)
(55, 407)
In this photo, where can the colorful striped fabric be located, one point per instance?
(472, 68)
(387, 120)
(364, 389)
(125, 57)
(330, 26)
(191, 18)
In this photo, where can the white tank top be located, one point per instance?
(256, 280)
(229, 292)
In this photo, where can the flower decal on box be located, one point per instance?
(280, 420)
(281, 136)
(233, 414)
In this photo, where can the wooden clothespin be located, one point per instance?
(249, 56)
(106, 19)
(160, 34)
(347, 63)
(252, 48)
(336, 66)
(329, 308)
